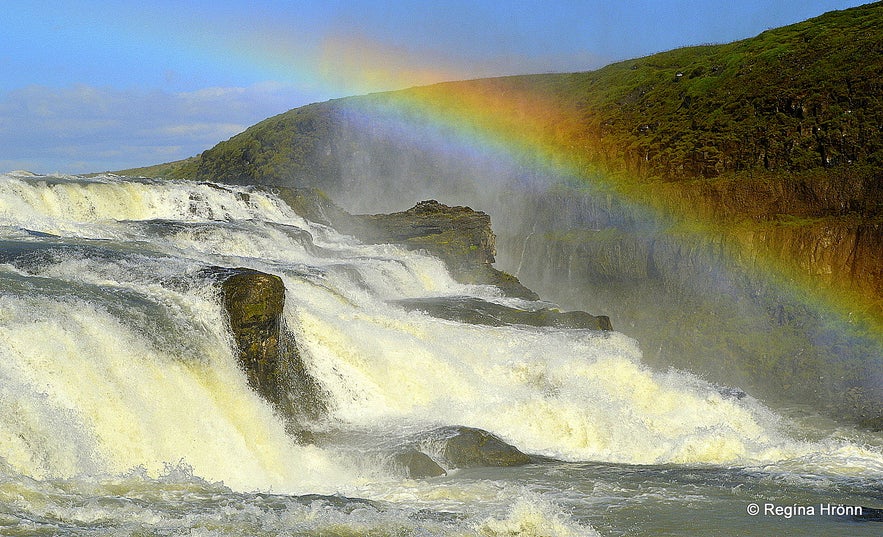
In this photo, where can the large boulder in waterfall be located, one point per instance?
(467, 447)
(253, 302)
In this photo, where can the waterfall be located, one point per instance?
(115, 356)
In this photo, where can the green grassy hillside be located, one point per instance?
(798, 98)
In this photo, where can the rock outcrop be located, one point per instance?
(459, 236)
(253, 301)
(267, 353)
(468, 447)
(467, 309)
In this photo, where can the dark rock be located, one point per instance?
(867, 514)
(267, 352)
(459, 236)
(338, 502)
(467, 309)
(575, 319)
(467, 447)
(731, 393)
(253, 301)
(419, 465)
(874, 424)
(485, 274)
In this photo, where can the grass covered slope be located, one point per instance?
(796, 98)
(793, 99)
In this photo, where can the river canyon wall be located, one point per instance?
(701, 300)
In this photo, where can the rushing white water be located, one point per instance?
(116, 364)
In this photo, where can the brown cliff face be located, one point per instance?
(839, 254)
(760, 197)
(824, 231)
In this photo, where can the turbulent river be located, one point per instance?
(123, 410)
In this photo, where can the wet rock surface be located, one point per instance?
(419, 465)
(266, 350)
(467, 309)
(468, 447)
(253, 301)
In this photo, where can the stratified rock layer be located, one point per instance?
(467, 309)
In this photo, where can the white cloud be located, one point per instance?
(84, 128)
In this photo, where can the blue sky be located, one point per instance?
(100, 85)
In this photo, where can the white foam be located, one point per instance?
(88, 395)
(88, 391)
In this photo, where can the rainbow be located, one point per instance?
(524, 125)
(504, 117)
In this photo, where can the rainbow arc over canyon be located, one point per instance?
(531, 124)
(506, 117)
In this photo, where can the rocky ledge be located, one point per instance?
(472, 310)
(459, 236)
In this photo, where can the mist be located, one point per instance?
(684, 297)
